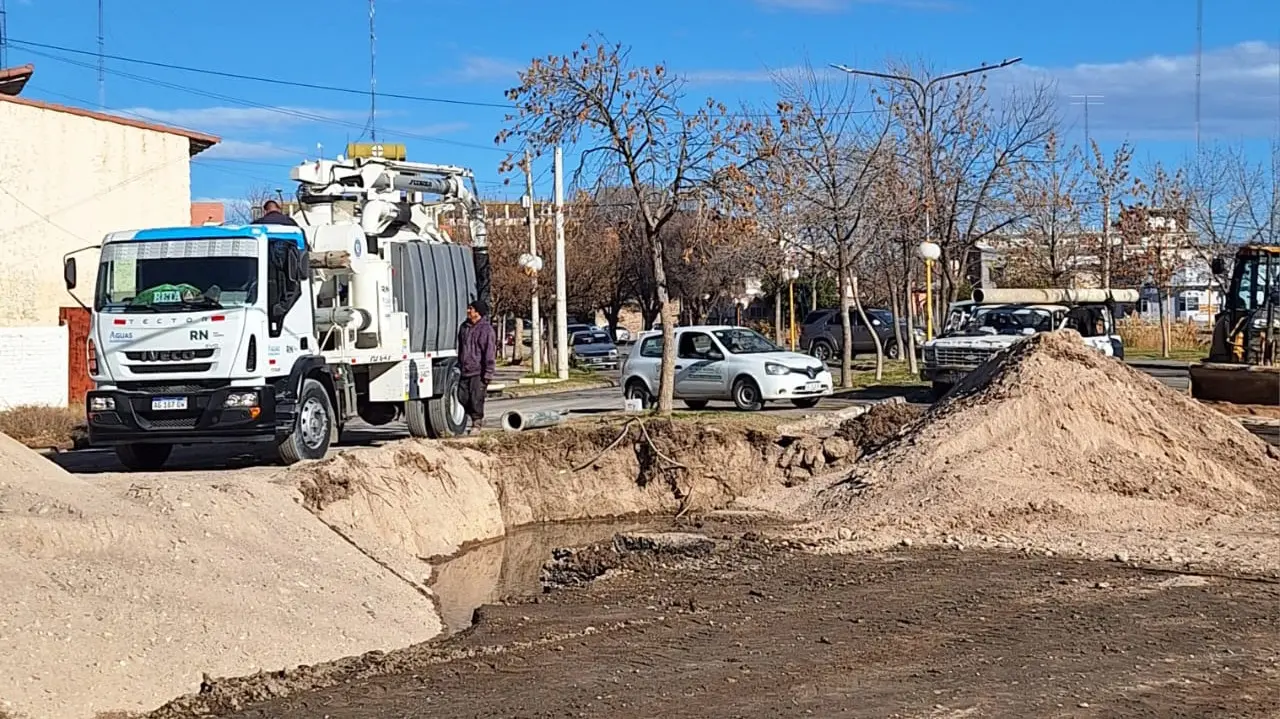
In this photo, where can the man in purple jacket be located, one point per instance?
(477, 356)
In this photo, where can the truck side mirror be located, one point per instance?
(69, 272)
(293, 265)
(1218, 266)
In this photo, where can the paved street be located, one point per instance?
(576, 403)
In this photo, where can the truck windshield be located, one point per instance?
(176, 284)
(1008, 321)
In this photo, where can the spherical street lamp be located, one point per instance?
(931, 252)
(531, 264)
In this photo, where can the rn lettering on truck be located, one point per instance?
(197, 335)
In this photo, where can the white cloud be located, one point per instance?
(839, 6)
(216, 119)
(477, 68)
(246, 150)
(1154, 97)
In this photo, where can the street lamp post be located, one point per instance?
(930, 252)
(926, 127)
(792, 275)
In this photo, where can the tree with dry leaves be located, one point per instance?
(1157, 237)
(826, 151)
(1049, 249)
(1110, 179)
(637, 132)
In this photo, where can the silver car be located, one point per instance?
(721, 362)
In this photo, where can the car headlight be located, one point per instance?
(775, 369)
(242, 400)
(101, 404)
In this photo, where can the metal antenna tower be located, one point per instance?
(1199, 62)
(373, 79)
(102, 68)
(1086, 100)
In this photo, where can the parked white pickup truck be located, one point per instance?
(997, 319)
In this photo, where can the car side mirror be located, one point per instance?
(1218, 266)
(69, 272)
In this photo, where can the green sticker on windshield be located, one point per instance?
(167, 295)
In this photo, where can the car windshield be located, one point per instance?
(1004, 320)
(590, 338)
(740, 341)
(176, 284)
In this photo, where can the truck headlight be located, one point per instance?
(613, 353)
(102, 404)
(241, 400)
(775, 369)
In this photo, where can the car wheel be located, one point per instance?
(891, 350)
(746, 395)
(806, 402)
(636, 389)
(695, 403)
(143, 457)
(822, 350)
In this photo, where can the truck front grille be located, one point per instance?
(162, 368)
(961, 356)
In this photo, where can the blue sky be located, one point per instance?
(1137, 54)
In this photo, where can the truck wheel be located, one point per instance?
(940, 389)
(312, 427)
(415, 415)
(143, 457)
(445, 415)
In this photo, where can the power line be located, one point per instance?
(289, 112)
(255, 78)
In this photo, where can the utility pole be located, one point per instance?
(4, 35)
(1199, 59)
(562, 319)
(373, 79)
(535, 313)
(1086, 100)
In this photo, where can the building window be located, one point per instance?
(1188, 304)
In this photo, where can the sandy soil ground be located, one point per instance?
(759, 629)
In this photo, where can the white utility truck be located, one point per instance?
(996, 319)
(282, 334)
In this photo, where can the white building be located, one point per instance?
(67, 177)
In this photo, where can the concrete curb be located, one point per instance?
(558, 389)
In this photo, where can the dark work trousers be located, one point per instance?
(471, 393)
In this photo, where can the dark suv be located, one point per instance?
(820, 334)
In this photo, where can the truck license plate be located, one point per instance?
(812, 386)
(164, 403)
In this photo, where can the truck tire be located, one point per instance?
(143, 457)
(312, 427)
(445, 415)
(415, 415)
(940, 389)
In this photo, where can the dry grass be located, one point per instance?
(1145, 336)
(42, 427)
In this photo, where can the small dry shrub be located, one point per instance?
(39, 426)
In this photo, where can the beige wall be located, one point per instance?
(65, 181)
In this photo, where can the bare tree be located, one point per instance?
(1157, 238)
(635, 133)
(832, 154)
(1110, 179)
(1047, 191)
(250, 208)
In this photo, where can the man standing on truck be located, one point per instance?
(271, 215)
(477, 356)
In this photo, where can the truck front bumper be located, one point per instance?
(191, 417)
(945, 375)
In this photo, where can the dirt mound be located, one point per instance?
(1055, 435)
(121, 591)
(879, 424)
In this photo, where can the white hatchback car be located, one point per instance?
(725, 363)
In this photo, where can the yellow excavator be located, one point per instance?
(1243, 366)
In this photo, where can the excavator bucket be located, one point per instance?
(1235, 383)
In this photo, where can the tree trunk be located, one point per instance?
(777, 317)
(667, 375)
(1164, 325)
(895, 309)
(909, 298)
(517, 352)
(866, 322)
(846, 330)
(1106, 240)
